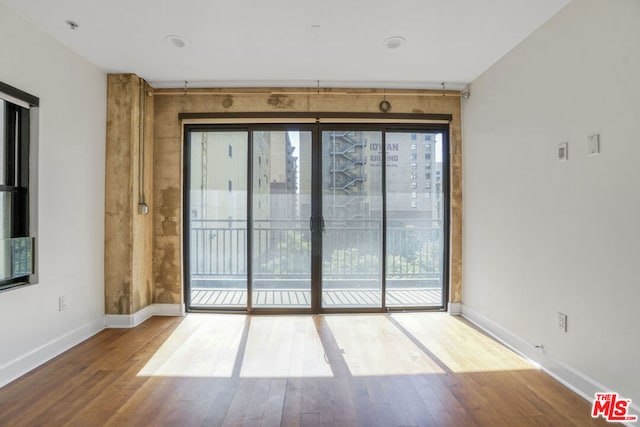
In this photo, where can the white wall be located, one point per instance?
(72, 96)
(542, 236)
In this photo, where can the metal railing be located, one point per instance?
(282, 248)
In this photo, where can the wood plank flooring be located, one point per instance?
(331, 298)
(405, 369)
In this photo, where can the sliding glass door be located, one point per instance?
(281, 204)
(352, 212)
(415, 219)
(315, 218)
(217, 219)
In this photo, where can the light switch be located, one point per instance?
(593, 145)
(563, 152)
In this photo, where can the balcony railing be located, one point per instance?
(282, 249)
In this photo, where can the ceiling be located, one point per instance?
(330, 43)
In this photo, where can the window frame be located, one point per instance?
(24, 183)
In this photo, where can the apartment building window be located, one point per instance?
(18, 220)
(427, 175)
(427, 156)
(414, 156)
(427, 147)
(230, 151)
(413, 185)
(414, 166)
(414, 147)
(230, 186)
(413, 175)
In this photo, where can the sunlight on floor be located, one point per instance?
(240, 346)
(373, 346)
(284, 346)
(458, 345)
(203, 345)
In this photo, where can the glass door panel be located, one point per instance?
(352, 212)
(217, 219)
(415, 215)
(281, 237)
(376, 202)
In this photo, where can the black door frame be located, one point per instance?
(316, 210)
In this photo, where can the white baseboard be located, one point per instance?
(38, 356)
(570, 377)
(168, 310)
(20, 366)
(511, 340)
(129, 320)
(454, 308)
(137, 318)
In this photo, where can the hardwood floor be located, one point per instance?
(413, 369)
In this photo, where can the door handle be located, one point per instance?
(321, 223)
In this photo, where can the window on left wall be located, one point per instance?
(18, 187)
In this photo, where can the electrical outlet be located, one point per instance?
(63, 304)
(562, 322)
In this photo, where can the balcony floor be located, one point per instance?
(332, 298)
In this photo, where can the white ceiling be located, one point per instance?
(278, 43)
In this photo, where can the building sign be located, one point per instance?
(392, 155)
